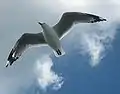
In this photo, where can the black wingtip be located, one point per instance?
(103, 19)
(99, 19)
(11, 61)
(11, 58)
(7, 64)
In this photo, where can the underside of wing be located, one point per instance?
(70, 18)
(23, 43)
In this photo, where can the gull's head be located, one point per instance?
(41, 23)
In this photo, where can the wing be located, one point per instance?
(24, 42)
(70, 18)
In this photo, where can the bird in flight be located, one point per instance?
(51, 36)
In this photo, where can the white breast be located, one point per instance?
(51, 37)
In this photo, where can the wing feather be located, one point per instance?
(23, 43)
(70, 18)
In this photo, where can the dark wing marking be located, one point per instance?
(24, 42)
(70, 18)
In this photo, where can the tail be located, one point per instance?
(59, 52)
(11, 58)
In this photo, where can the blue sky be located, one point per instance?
(91, 64)
(80, 78)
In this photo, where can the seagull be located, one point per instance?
(51, 36)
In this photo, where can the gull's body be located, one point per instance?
(52, 39)
(51, 36)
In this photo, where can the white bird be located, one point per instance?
(51, 36)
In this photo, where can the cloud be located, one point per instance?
(20, 17)
(95, 40)
(46, 76)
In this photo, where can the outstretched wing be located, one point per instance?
(70, 18)
(24, 42)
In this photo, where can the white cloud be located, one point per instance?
(12, 18)
(95, 40)
(46, 76)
